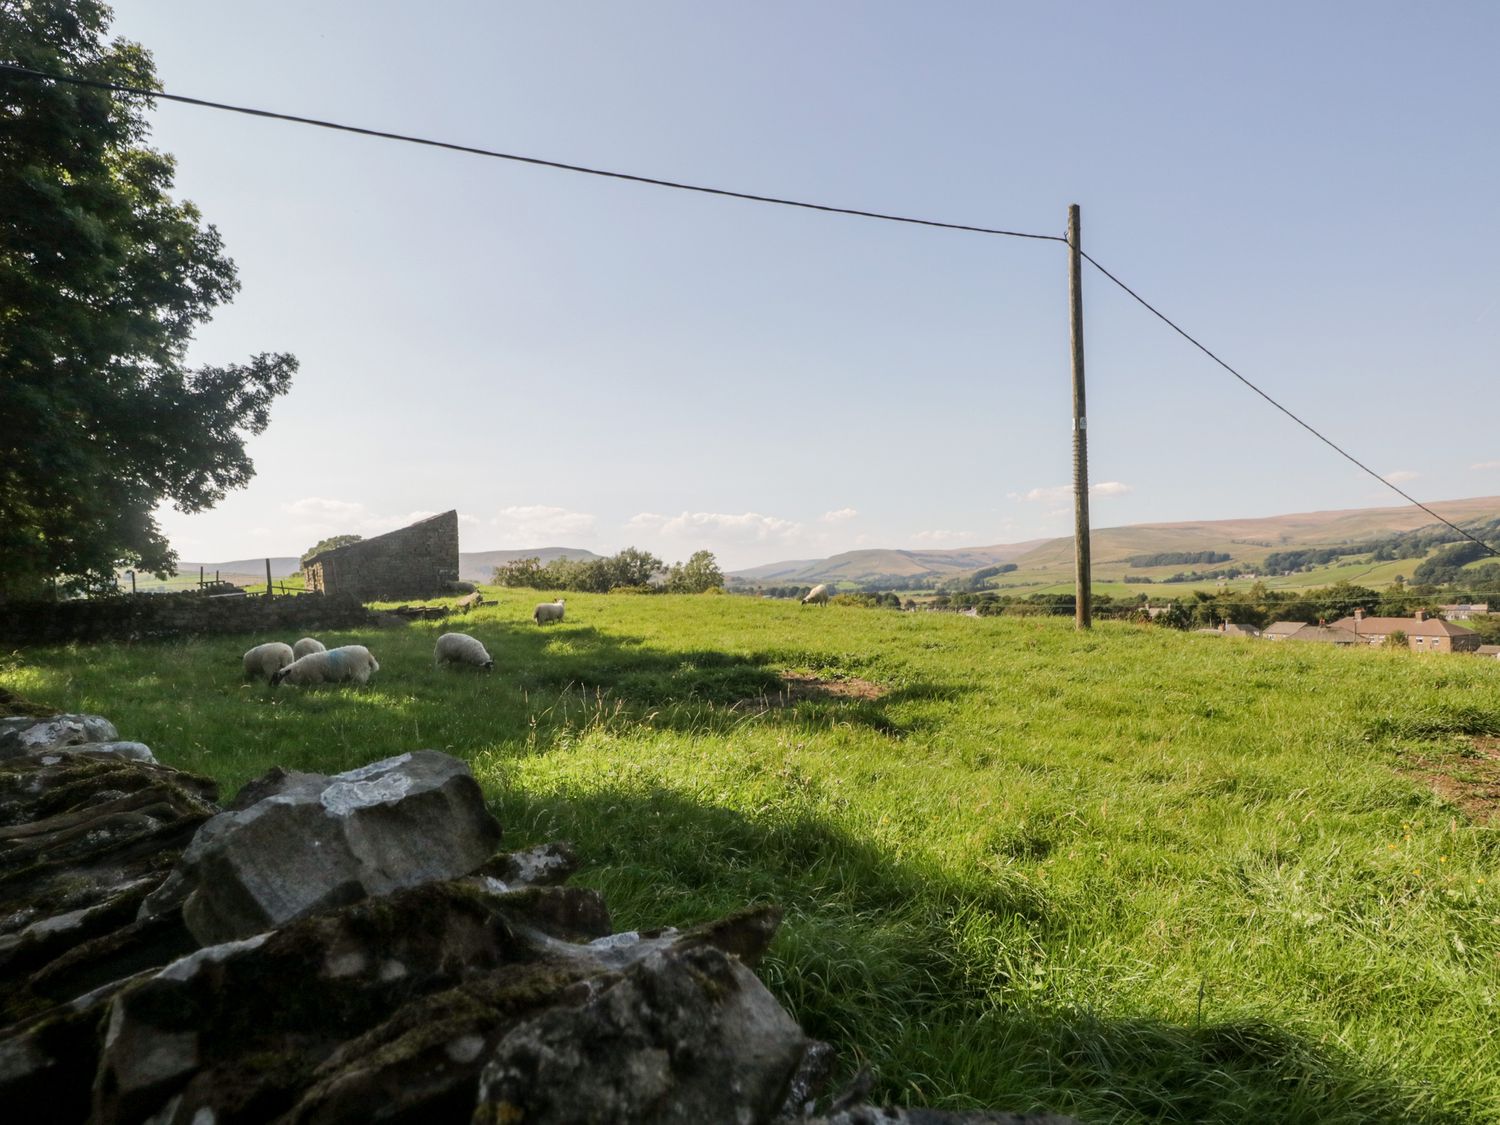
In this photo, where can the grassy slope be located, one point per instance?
(1135, 875)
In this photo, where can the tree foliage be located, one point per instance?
(103, 279)
(329, 544)
(696, 576)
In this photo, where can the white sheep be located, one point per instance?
(818, 595)
(548, 611)
(460, 648)
(307, 645)
(332, 666)
(266, 660)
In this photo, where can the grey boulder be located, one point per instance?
(28, 735)
(312, 843)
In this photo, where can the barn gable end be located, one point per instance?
(411, 562)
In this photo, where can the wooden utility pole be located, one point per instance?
(1083, 596)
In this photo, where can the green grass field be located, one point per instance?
(1134, 875)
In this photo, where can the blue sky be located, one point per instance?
(1309, 189)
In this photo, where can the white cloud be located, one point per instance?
(747, 527)
(1400, 476)
(939, 535)
(539, 525)
(1486, 465)
(840, 515)
(1059, 492)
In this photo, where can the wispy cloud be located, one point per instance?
(1401, 476)
(542, 525)
(744, 527)
(840, 515)
(1486, 465)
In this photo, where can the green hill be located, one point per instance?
(1042, 563)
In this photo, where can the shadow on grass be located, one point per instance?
(930, 977)
(693, 688)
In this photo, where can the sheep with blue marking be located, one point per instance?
(307, 645)
(460, 648)
(548, 611)
(264, 661)
(345, 664)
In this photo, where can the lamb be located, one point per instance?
(548, 611)
(267, 660)
(818, 595)
(460, 648)
(307, 645)
(332, 666)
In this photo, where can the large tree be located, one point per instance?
(103, 279)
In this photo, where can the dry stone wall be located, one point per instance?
(152, 616)
(349, 949)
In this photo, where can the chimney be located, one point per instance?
(1421, 615)
(1359, 613)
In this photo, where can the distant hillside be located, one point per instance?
(282, 566)
(1041, 562)
(877, 564)
(479, 566)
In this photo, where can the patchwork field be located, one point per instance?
(1135, 875)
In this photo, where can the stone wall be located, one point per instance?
(131, 617)
(352, 948)
(412, 562)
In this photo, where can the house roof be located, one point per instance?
(1384, 626)
(1488, 650)
(1325, 634)
(1282, 628)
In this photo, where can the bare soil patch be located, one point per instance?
(796, 687)
(1470, 781)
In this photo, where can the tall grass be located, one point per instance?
(1133, 875)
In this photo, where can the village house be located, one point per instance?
(1324, 635)
(1462, 611)
(1281, 630)
(1423, 633)
(1490, 651)
(1229, 629)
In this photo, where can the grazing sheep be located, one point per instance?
(332, 666)
(267, 659)
(548, 611)
(307, 645)
(818, 595)
(470, 601)
(460, 648)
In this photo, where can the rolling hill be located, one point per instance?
(1046, 561)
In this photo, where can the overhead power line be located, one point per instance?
(141, 91)
(1306, 426)
(536, 160)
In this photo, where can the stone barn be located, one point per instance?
(413, 562)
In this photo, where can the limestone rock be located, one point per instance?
(317, 842)
(135, 751)
(26, 735)
(240, 1029)
(684, 1035)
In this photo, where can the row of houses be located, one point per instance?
(1421, 632)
